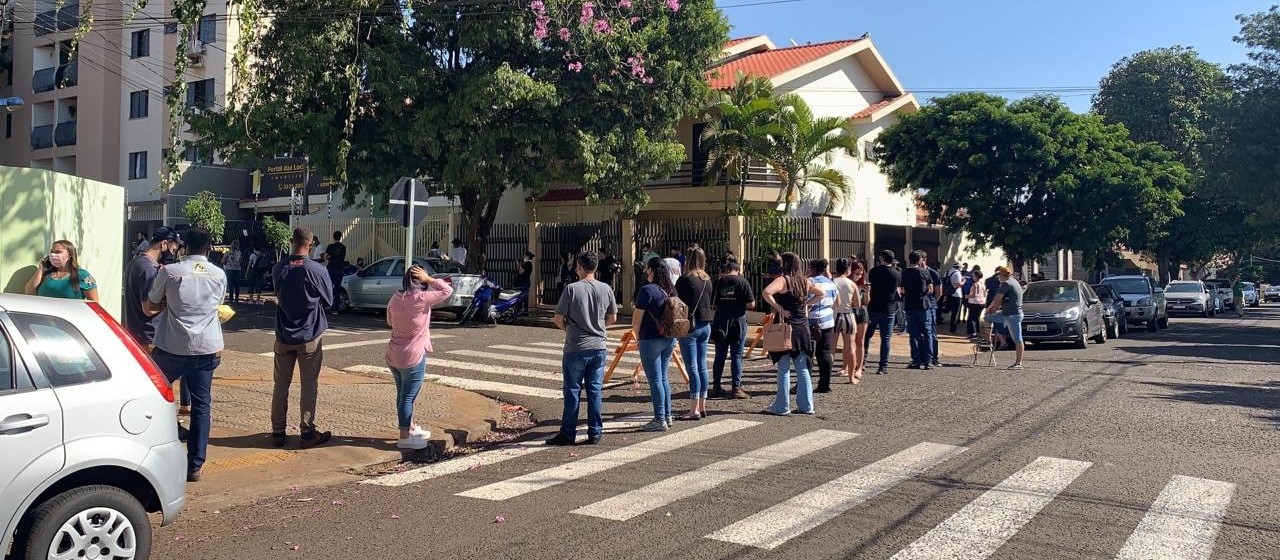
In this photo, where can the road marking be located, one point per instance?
(547, 351)
(518, 359)
(772, 527)
(547, 478)
(659, 494)
(355, 344)
(983, 526)
(1183, 522)
(747, 365)
(469, 384)
(498, 455)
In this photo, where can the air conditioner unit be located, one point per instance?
(195, 53)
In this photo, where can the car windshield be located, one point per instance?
(1129, 285)
(1247, 285)
(1104, 292)
(444, 267)
(1184, 288)
(1043, 292)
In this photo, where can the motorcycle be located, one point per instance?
(492, 303)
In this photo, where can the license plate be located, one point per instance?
(1037, 328)
(1177, 307)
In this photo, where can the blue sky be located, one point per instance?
(995, 45)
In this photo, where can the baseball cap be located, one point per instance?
(166, 233)
(1004, 270)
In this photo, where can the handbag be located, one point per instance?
(777, 337)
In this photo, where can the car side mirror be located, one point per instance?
(1094, 301)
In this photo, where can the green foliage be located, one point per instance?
(462, 95)
(801, 148)
(735, 133)
(277, 233)
(205, 211)
(773, 230)
(1031, 176)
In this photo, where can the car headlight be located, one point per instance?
(1146, 301)
(1073, 313)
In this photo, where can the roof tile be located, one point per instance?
(772, 63)
(871, 109)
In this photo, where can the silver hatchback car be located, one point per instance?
(89, 435)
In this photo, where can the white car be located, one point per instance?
(1191, 297)
(373, 287)
(88, 435)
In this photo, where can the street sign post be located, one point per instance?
(406, 196)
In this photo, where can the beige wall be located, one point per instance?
(39, 207)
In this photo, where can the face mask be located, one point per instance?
(57, 260)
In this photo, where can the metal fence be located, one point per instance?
(557, 240)
(375, 238)
(849, 238)
(504, 251)
(802, 236)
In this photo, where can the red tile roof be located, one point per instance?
(871, 109)
(562, 195)
(772, 63)
(739, 40)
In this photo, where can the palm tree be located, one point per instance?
(801, 149)
(735, 134)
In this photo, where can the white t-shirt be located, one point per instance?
(458, 254)
(317, 252)
(957, 280)
(847, 294)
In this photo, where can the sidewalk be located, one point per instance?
(244, 467)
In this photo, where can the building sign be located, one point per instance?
(282, 176)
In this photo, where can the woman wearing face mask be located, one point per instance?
(59, 275)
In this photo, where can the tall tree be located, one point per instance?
(800, 148)
(477, 98)
(735, 133)
(1028, 177)
(1168, 96)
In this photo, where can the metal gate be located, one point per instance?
(558, 240)
(849, 239)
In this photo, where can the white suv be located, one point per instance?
(88, 431)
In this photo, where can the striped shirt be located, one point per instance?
(821, 313)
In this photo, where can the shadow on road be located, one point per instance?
(1264, 396)
(1222, 352)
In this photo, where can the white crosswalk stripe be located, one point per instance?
(469, 384)
(356, 344)
(1183, 522)
(547, 478)
(494, 456)
(549, 352)
(774, 526)
(502, 358)
(659, 494)
(985, 524)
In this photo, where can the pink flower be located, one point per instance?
(564, 33)
(588, 12)
(575, 67)
(635, 20)
(624, 4)
(602, 26)
(673, 5)
(537, 6)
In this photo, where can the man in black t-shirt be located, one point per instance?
(335, 258)
(919, 300)
(883, 280)
(733, 297)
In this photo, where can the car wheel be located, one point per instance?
(1124, 327)
(1083, 342)
(1164, 323)
(1207, 314)
(88, 522)
(1114, 330)
(1153, 325)
(343, 304)
(1102, 335)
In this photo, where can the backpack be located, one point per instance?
(675, 319)
(264, 262)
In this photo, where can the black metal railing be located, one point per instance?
(44, 80)
(849, 238)
(555, 240)
(695, 174)
(68, 74)
(65, 133)
(42, 137)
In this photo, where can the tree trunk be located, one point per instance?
(478, 217)
(1164, 264)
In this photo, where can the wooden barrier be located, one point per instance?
(629, 343)
(759, 337)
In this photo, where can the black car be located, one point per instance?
(1112, 310)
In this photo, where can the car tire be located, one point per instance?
(1207, 314)
(1113, 331)
(1153, 326)
(1124, 327)
(1164, 323)
(1083, 342)
(343, 305)
(51, 523)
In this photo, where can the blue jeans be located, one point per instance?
(883, 322)
(804, 386)
(693, 348)
(233, 284)
(584, 369)
(655, 356)
(731, 349)
(196, 372)
(1014, 324)
(408, 383)
(920, 330)
(935, 315)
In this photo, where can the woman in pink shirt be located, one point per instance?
(409, 315)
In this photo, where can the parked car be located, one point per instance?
(1251, 297)
(1191, 297)
(1144, 302)
(1062, 311)
(89, 434)
(373, 287)
(1271, 294)
(1112, 310)
(1222, 289)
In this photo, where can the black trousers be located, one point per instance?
(824, 341)
(953, 307)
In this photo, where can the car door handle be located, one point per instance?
(22, 423)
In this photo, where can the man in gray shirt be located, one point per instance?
(586, 308)
(1008, 301)
(189, 336)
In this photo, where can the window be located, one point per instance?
(869, 150)
(139, 104)
(198, 156)
(62, 352)
(7, 379)
(138, 165)
(170, 28)
(208, 30)
(443, 267)
(200, 94)
(380, 268)
(140, 44)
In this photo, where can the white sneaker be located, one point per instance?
(414, 441)
(419, 430)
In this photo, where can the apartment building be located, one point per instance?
(99, 110)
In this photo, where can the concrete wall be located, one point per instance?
(39, 207)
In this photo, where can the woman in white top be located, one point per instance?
(850, 325)
(976, 302)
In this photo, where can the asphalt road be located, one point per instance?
(1157, 446)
